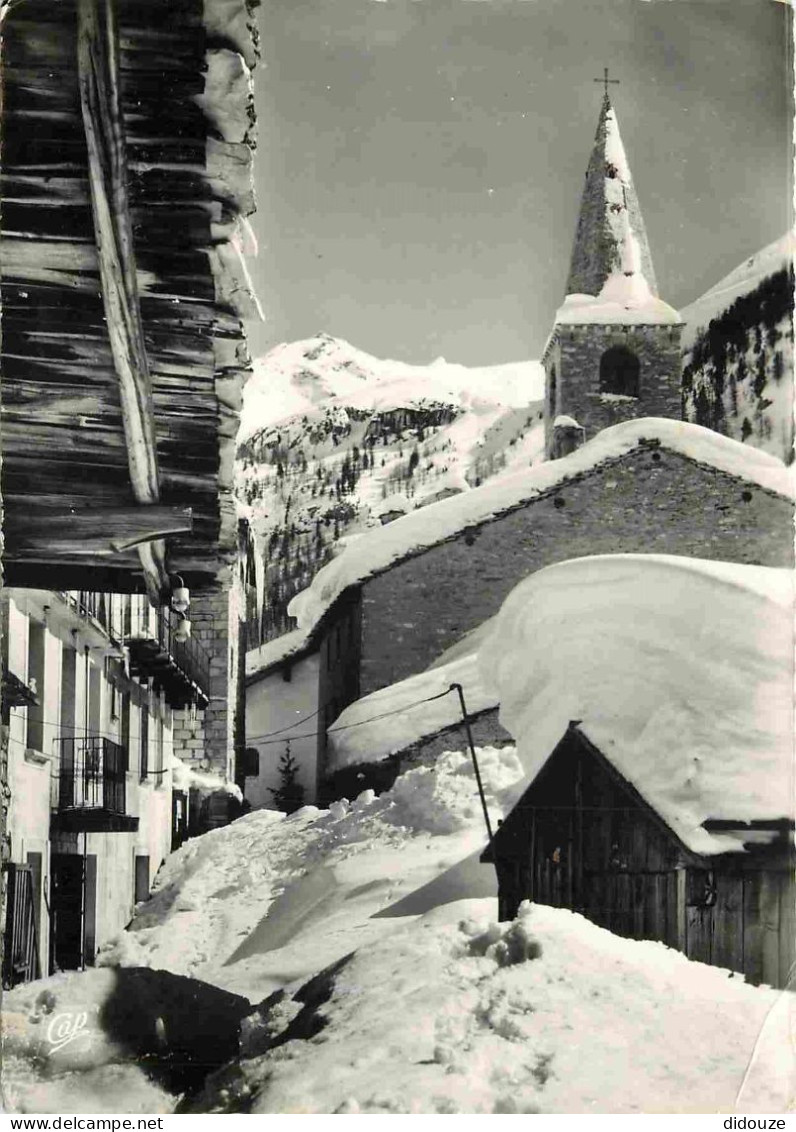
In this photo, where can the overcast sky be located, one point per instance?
(420, 162)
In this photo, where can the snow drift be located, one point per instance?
(378, 982)
(679, 670)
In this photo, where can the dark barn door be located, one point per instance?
(21, 958)
(67, 903)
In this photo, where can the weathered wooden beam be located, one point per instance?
(101, 106)
(96, 529)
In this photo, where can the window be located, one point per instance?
(619, 370)
(251, 762)
(124, 726)
(159, 751)
(552, 392)
(35, 729)
(144, 740)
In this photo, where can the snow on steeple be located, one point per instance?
(611, 256)
(611, 278)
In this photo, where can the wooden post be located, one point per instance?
(100, 100)
(680, 929)
(458, 688)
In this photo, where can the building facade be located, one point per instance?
(91, 684)
(655, 486)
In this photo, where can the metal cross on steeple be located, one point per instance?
(606, 81)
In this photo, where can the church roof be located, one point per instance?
(611, 255)
(381, 548)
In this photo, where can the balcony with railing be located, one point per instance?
(160, 652)
(89, 786)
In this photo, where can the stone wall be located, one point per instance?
(575, 353)
(648, 501)
(203, 738)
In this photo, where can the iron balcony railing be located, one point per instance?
(90, 774)
(152, 635)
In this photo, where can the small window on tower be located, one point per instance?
(619, 370)
(552, 392)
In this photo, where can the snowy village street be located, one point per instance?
(549, 1014)
(397, 589)
(362, 940)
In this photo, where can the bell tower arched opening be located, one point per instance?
(619, 372)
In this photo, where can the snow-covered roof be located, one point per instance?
(379, 549)
(290, 646)
(629, 305)
(679, 670)
(354, 741)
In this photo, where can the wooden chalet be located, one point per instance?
(584, 837)
(127, 139)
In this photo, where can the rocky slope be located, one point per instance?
(334, 441)
(738, 353)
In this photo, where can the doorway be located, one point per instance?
(73, 911)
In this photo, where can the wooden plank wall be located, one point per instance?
(577, 839)
(63, 443)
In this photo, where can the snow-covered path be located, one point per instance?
(450, 1014)
(432, 1008)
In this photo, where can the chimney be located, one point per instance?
(568, 435)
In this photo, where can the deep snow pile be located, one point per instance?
(334, 441)
(428, 1006)
(679, 670)
(456, 1014)
(377, 550)
(738, 352)
(227, 904)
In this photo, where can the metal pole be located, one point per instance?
(466, 719)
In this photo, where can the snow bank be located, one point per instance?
(267, 899)
(550, 1014)
(379, 549)
(680, 671)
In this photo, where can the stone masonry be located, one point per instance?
(203, 738)
(574, 356)
(651, 500)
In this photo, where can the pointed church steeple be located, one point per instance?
(610, 241)
(614, 351)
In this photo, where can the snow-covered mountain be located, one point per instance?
(738, 352)
(334, 441)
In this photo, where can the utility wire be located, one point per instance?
(359, 722)
(280, 730)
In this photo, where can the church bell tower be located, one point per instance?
(614, 352)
